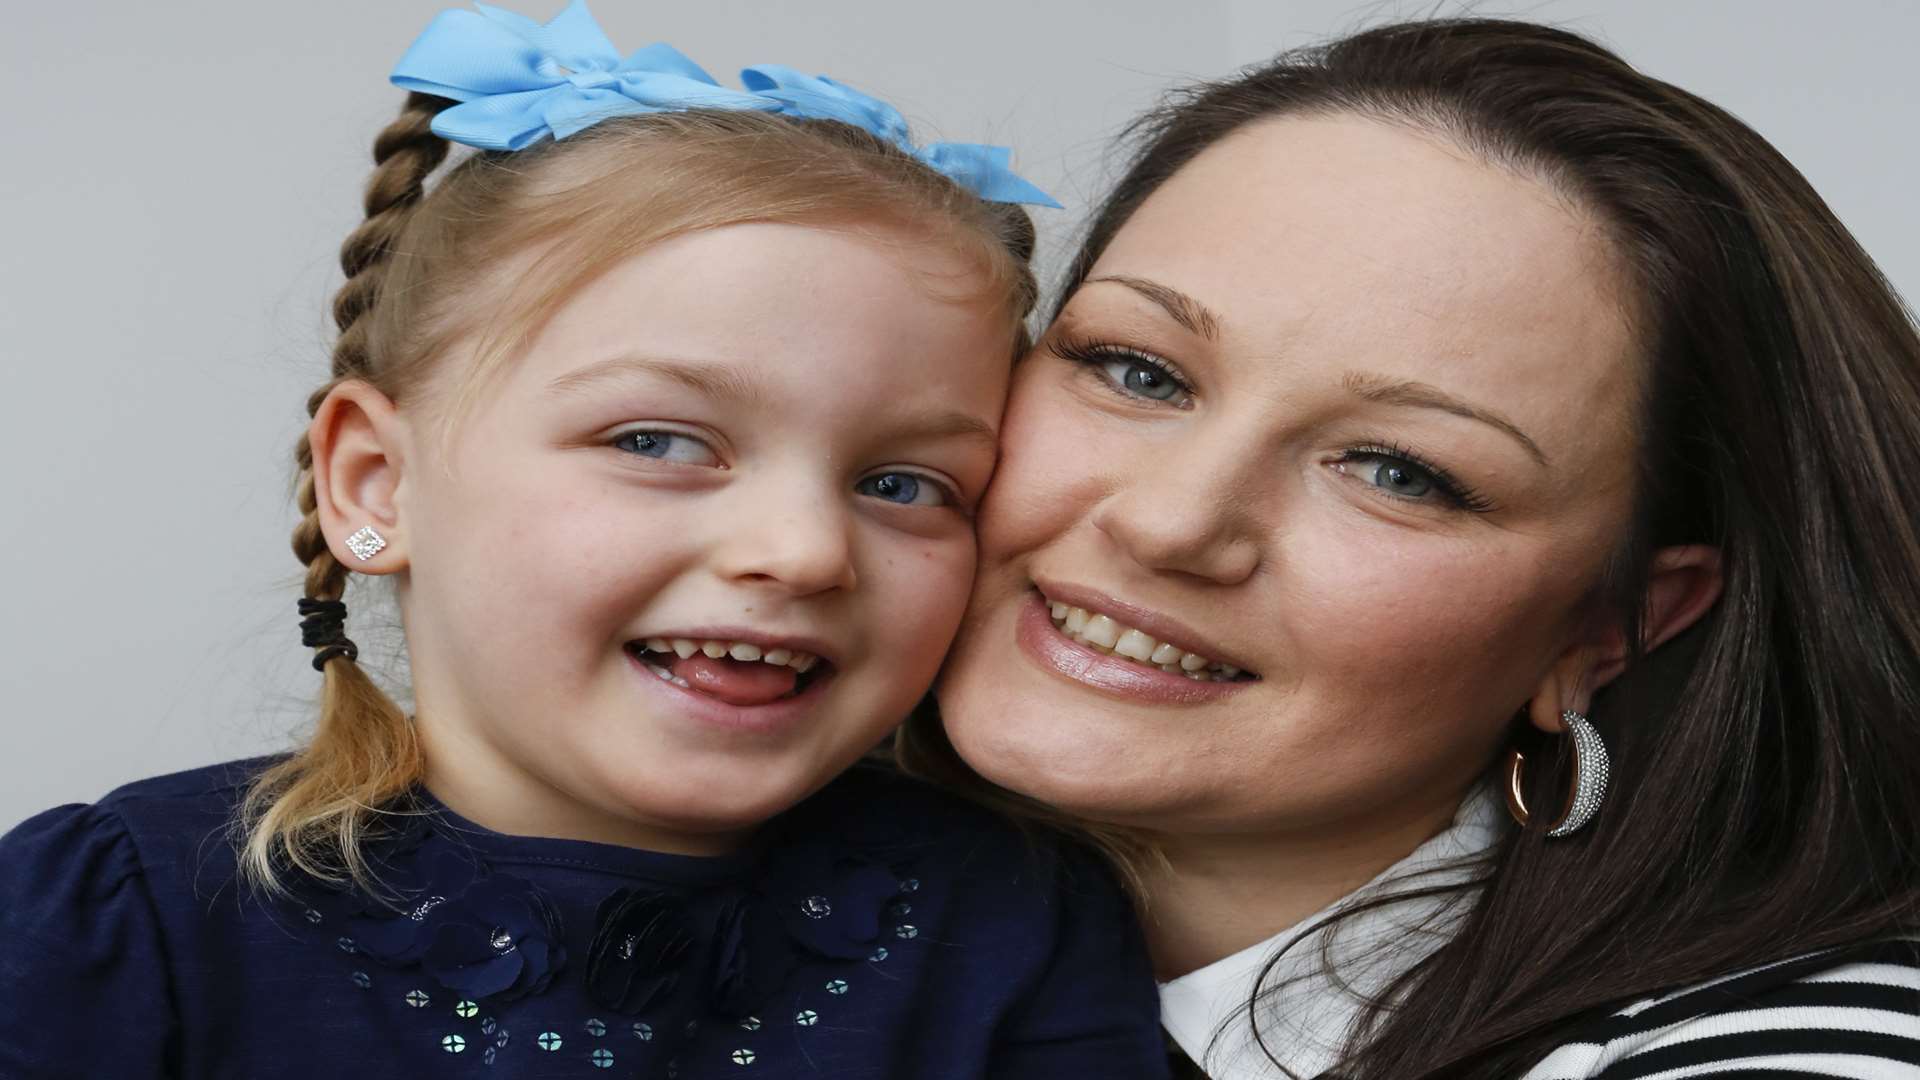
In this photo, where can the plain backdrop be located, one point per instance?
(175, 182)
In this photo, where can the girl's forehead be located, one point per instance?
(789, 298)
(751, 314)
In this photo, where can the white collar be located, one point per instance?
(1306, 1016)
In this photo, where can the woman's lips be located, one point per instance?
(1053, 651)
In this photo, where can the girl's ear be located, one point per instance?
(359, 441)
(1684, 584)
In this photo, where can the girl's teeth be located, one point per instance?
(1104, 635)
(668, 676)
(736, 650)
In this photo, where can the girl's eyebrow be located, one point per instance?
(727, 383)
(712, 380)
(933, 425)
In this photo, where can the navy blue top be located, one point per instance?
(879, 930)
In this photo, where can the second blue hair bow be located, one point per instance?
(518, 81)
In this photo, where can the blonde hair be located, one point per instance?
(414, 268)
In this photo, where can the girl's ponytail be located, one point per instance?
(310, 812)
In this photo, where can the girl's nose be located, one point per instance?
(793, 539)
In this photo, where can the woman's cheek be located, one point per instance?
(1417, 619)
(1050, 466)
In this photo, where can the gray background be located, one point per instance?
(177, 178)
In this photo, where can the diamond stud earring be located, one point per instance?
(366, 543)
(1591, 770)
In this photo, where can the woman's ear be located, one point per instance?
(358, 442)
(1683, 585)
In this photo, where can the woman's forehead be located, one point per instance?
(1363, 245)
(1343, 202)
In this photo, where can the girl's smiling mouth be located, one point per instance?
(743, 674)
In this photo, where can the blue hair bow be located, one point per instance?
(518, 81)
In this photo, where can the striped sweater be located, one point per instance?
(1852, 1012)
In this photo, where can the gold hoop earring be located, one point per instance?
(1587, 788)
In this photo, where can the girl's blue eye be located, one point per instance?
(667, 446)
(905, 489)
(1141, 378)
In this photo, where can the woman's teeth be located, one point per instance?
(1104, 635)
(738, 650)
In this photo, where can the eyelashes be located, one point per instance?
(1399, 465)
(895, 486)
(1144, 376)
(1398, 472)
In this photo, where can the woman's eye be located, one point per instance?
(667, 446)
(1143, 379)
(905, 489)
(1393, 475)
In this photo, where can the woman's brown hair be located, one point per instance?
(1766, 792)
(424, 269)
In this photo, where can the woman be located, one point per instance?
(1449, 392)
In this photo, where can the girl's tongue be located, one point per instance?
(736, 682)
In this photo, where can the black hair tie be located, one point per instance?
(324, 627)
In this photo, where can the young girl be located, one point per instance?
(666, 415)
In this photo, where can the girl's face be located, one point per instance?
(764, 441)
(1342, 408)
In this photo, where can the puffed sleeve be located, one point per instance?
(1096, 1009)
(83, 974)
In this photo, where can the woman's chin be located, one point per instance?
(1077, 772)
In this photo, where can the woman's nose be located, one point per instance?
(794, 538)
(1181, 514)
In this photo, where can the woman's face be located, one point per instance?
(1342, 407)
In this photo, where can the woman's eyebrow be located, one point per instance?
(1419, 395)
(1183, 309)
(711, 380)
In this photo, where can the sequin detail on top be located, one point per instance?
(803, 918)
